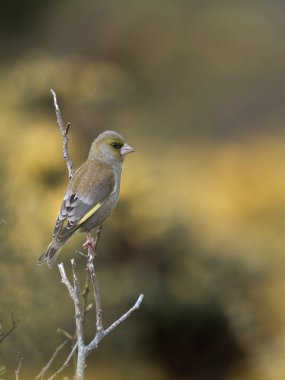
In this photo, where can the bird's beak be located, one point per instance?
(126, 149)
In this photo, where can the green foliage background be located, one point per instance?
(198, 89)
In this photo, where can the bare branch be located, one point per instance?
(90, 267)
(65, 334)
(86, 306)
(81, 352)
(64, 134)
(125, 316)
(17, 371)
(92, 273)
(77, 306)
(14, 325)
(41, 374)
(74, 292)
(65, 364)
(65, 281)
(68, 337)
(99, 336)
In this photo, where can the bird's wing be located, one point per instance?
(89, 188)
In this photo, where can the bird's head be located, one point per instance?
(109, 147)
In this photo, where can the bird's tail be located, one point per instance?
(50, 254)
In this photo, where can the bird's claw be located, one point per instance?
(89, 243)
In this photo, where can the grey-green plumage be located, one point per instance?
(92, 193)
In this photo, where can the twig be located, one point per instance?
(65, 364)
(65, 280)
(90, 266)
(64, 133)
(92, 274)
(40, 375)
(69, 337)
(86, 306)
(17, 371)
(98, 337)
(65, 334)
(81, 351)
(125, 316)
(74, 292)
(14, 325)
(76, 300)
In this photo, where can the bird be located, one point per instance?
(91, 195)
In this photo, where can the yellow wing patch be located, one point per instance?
(90, 213)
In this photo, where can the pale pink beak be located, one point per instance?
(126, 149)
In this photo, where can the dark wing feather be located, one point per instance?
(90, 186)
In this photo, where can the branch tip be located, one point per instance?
(64, 131)
(139, 301)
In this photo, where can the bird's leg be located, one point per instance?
(90, 241)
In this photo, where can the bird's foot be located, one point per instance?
(90, 242)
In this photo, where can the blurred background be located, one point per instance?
(197, 88)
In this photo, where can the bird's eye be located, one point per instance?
(116, 145)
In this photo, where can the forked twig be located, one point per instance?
(14, 325)
(41, 374)
(64, 133)
(74, 292)
(17, 371)
(65, 364)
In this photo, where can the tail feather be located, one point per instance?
(50, 254)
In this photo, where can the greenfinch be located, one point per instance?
(91, 194)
